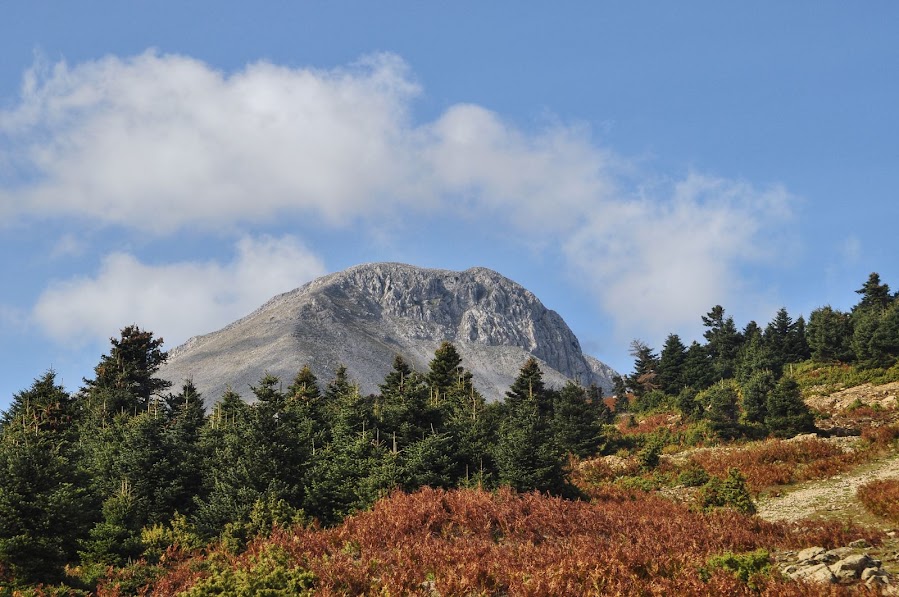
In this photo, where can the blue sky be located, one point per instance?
(176, 164)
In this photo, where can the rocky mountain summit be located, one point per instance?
(362, 317)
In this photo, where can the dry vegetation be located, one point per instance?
(777, 462)
(881, 497)
(470, 542)
(623, 541)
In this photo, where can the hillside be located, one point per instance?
(756, 463)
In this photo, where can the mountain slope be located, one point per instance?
(363, 316)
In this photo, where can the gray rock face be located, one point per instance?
(364, 316)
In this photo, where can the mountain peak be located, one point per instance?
(363, 316)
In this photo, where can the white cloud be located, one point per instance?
(162, 142)
(659, 264)
(156, 141)
(546, 181)
(174, 300)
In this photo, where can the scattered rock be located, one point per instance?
(810, 553)
(844, 565)
(869, 573)
(816, 573)
(854, 563)
(839, 553)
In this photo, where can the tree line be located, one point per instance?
(738, 379)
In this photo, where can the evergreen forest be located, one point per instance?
(103, 488)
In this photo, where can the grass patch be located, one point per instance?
(826, 379)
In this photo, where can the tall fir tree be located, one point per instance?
(578, 418)
(466, 417)
(756, 354)
(874, 295)
(444, 370)
(644, 379)
(527, 458)
(698, 373)
(671, 378)
(875, 338)
(722, 409)
(357, 466)
(756, 391)
(402, 409)
(183, 440)
(723, 342)
(45, 509)
(125, 379)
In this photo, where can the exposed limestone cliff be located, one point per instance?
(365, 315)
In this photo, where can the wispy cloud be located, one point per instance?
(174, 299)
(851, 249)
(161, 142)
(13, 318)
(659, 263)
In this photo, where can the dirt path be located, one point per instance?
(830, 498)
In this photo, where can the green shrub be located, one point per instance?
(649, 455)
(178, 534)
(693, 476)
(730, 492)
(743, 566)
(266, 574)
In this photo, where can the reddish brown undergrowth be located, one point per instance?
(777, 462)
(882, 498)
(650, 423)
(468, 542)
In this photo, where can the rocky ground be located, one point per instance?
(835, 498)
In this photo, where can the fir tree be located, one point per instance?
(125, 378)
(258, 457)
(722, 410)
(227, 476)
(723, 342)
(646, 363)
(444, 369)
(874, 295)
(756, 392)
(357, 467)
(671, 377)
(402, 408)
(697, 369)
(525, 454)
(45, 508)
(797, 348)
(464, 415)
(756, 355)
(829, 335)
(578, 416)
(116, 539)
(787, 414)
(183, 441)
